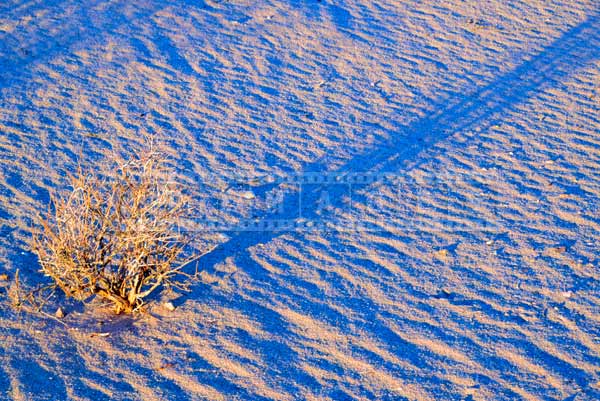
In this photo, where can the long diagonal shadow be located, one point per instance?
(575, 48)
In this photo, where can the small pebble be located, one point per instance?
(4, 277)
(169, 306)
(59, 313)
(560, 249)
(442, 253)
(247, 195)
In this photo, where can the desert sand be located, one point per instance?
(467, 269)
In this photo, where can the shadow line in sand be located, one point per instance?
(575, 48)
(401, 153)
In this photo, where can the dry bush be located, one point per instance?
(115, 234)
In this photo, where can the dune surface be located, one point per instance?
(403, 197)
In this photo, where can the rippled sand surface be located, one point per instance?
(474, 272)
